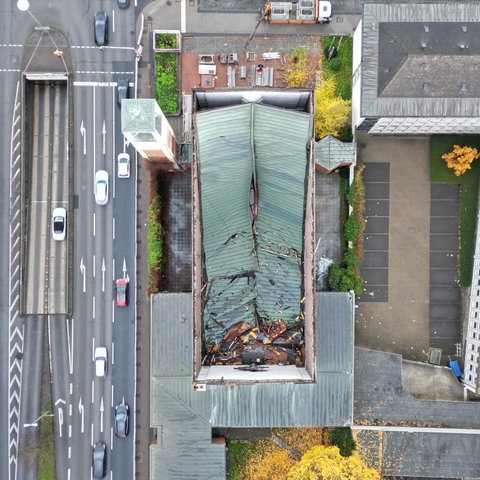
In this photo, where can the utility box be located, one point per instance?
(435, 356)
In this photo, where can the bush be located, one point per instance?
(155, 244)
(350, 259)
(342, 438)
(344, 279)
(350, 229)
(334, 64)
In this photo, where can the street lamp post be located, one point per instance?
(35, 423)
(23, 6)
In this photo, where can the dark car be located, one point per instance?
(121, 287)
(123, 3)
(121, 419)
(122, 90)
(99, 457)
(100, 28)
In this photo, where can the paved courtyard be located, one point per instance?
(410, 300)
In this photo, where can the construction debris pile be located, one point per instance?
(269, 343)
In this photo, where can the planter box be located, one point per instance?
(167, 82)
(167, 41)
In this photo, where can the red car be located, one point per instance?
(122, 292)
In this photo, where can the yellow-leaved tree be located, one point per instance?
(274, 466)
(332, 113)
(460, 159)
(326, 463)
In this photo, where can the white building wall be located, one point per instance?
(357, 76)
(472, 342)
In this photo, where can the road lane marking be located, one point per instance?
(93, 301)
(82, 271)
(113, 353)
(93, 391)
(113, 270)
(103, 274)
(112, 394)
(94, 255)
(113, 228)
(102, 408)
(104, 134)
(81, 410)
(70, 409)
(69, 452)
(60, 422)
(83, 133)
(70, 346)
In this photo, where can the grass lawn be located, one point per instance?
(469, 183)
(343, 75)
(238, 456)
(46, 450)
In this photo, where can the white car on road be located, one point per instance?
(123, 165)
(59, 223)
(101, 187)
(101, 362)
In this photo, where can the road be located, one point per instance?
(65, 131)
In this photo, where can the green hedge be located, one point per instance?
(347, 277)
(155, 244)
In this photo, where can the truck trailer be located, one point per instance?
(303, 11)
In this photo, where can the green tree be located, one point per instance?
(326, 463)
(332, 113)
(460, 159)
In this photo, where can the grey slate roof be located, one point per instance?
(184, 417)
(420, 60)
(331, 152)
(381, 400)
(431, 455)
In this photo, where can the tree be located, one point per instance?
(460, 159)
(272, 466)
(326, 463)
(332, 113)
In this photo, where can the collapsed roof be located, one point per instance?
(253, 162)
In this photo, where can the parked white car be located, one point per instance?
(101, 187)
(123, 165)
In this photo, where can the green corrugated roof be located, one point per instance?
(252, 268)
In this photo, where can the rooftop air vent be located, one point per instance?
(424, 44)
(463, 87)
(426, 86)
(426, 28)
(464, 28)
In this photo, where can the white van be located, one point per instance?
(101, 362)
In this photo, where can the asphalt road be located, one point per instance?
(102, 239)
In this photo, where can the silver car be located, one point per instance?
(101, 187)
